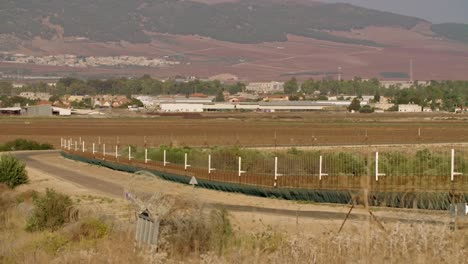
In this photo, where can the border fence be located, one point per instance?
(430, 177)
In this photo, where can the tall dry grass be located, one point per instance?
(193, 233)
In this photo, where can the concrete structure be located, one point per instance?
(265, 87)
(409, 108)
(39, 110)
(46, 110)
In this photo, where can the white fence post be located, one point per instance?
(83, 146)
(276, 172)
(129, 153)
(69, 144)
(452, 167)
(209, 165)
(186, 166)
(76, 146)
(61, 142)
(240, 167)
(94, 148)
(116, 151)
(104, 150)
(321, 174)
(146, 156)
(377, 174)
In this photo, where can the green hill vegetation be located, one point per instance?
(243, 22)
(453, 31)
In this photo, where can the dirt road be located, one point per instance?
(49, 169)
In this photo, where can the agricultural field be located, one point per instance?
(246, 129)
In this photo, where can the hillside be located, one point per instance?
(249, 39)
(241, 22)
(453, 31)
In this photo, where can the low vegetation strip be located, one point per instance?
(410, 199)
(23, 144)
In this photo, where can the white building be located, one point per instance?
(409, 108)
(265, 87)
(61, 111)
(181, 108)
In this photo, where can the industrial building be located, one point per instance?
(45, 111)
(11, 111)
(409, 108)
(253, 106)
(265, 87)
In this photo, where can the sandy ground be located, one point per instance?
(106, 188)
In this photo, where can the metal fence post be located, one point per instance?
(452, 167)
(240, 167)
(186, 166)
(321, 174)
(377, 174)
(116, 151)
(209, 165)
(146, 156)
(276, 172)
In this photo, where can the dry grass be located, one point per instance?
(192, 233)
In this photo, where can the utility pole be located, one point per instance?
(411, 71)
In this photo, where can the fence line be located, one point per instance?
(378, 170)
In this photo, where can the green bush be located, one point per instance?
(52, 210)
(366, 109)
(23, 144)
(12, 171)
(91, 228)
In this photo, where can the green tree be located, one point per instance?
(377, 96)
(219, 96)
(291, 86)
(355, 105)
(12, 171)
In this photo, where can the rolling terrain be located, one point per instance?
(253, 40)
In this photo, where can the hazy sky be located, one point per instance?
(436, 11)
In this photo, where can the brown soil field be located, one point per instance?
(245, 129)
(434, 59)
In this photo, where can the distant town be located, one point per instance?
(145, 95)
(85, 62)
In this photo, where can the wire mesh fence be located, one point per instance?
(411, 170)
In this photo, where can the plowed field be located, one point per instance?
(251, 129)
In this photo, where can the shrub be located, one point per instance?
(195, 231)
(23, 144)
(366, 109)
(52, 210)
(91, 228)
(12, 171)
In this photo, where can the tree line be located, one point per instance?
(445, 95)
